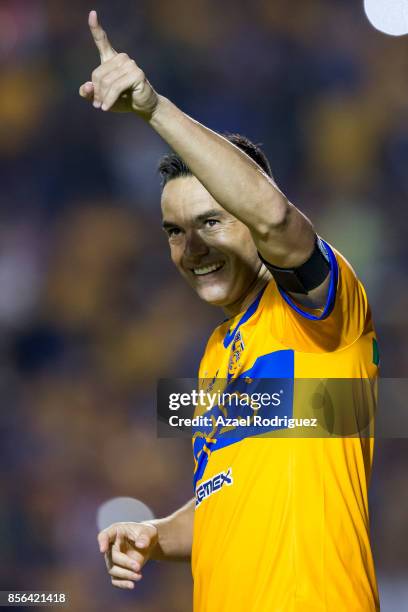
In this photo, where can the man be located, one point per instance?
(289, 530)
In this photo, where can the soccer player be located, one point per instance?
(286, 528)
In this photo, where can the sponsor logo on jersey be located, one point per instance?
(214, 484)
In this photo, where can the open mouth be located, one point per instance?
(210, 269)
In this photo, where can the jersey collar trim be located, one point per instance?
(247, 315)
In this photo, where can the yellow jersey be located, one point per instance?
(282, 524)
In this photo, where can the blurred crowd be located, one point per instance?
(91, 311)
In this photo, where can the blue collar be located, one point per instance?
(247, 315)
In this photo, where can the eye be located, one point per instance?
(211, 222)
(173, 231)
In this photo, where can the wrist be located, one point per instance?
(159, 113)
(146, 107)
(157, 550)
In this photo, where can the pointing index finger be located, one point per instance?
(101, 40)
(105, 538)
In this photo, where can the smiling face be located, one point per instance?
(213, 250)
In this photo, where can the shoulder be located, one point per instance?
(339, 323)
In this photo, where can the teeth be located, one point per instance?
(208, 269)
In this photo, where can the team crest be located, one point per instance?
(236, 352)
(210, 386)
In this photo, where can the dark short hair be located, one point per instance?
(171, 166)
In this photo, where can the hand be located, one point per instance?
(118, 84)
(127, 547)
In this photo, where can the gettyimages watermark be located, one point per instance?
(235, 402)
(282, 407)
(210, 399)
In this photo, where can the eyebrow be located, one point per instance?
(213, 212)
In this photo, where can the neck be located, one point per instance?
(250, 294)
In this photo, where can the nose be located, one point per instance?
(195, 247)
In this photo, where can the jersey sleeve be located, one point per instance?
(335, 326)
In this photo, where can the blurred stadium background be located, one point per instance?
(91, 311)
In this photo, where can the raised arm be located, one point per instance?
(282, 234)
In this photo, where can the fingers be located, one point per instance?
(101, 40)
(143, 540)
(123, 570)
(145, 536)
(126, 549)
(123, 584)
(103, 541)
(117, 88)
(124, 574)
(87, 91)
(107, 537)
(110, 542)
(133, 563)
(105, 74)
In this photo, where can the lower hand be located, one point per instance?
(127, 547)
